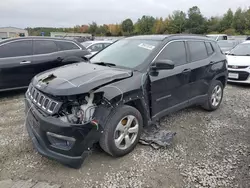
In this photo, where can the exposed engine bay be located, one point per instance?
(78, 111)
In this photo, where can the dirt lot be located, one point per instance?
(209, 150)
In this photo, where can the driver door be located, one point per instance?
(170, 88)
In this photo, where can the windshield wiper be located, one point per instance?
(105, 64)
(231, 54)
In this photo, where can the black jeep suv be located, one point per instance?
(22, 58)
(126, 86)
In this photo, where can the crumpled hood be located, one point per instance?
(238, 60)
(77, 78)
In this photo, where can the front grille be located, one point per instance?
(242, 75)
(42, 101)
(237, 67)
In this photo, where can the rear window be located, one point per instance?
(66, 45)
(198, 50)
(44, 47)
(16, 49)
(210, 49)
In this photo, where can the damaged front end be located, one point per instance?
(65, 128)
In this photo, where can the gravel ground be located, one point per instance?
(209, 150)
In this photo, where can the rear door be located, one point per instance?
(200, 53)
(170, 88)
(15, 58)
(46, 56)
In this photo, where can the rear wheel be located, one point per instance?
(215, 95)
(122, 131)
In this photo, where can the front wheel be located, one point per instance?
(122, 131)
(215, 95)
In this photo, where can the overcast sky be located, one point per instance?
(67, 13)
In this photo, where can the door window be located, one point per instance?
(16, 49)
(44, 47)
(176, 52)
(198, 50)
(66, 45)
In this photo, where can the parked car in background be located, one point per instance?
(95, 46)
(239, 63)
(248, 38)
(23, 58)
(130, 84)
(218, 37)
(227, 45)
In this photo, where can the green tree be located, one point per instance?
(239, 21)
(159, 26)
(145, 25)
(196, 23)
(177, 22)
(127, 26)
(213, 24)
(227, 20)
(93, 28)
(102, 30)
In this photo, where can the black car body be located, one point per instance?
(178, 71)
(22, 58)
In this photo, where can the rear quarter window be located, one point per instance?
(66, 45)
(210, 49)
(197, 50)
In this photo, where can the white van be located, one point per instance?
(218, 36)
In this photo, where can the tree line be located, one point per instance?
(192, 21)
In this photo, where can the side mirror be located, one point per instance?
(162, 65)
(89, 50)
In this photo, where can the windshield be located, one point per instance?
(226, 44)
(126, 52)
(241, 50)
(86, 44)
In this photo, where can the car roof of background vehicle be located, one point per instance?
(36, 37)
(216, 35)
(174, 36)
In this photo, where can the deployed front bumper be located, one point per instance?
(68, 144)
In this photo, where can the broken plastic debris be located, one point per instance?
(156, 137)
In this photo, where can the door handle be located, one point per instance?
(59, 59)
(25, 62)
(186, 71)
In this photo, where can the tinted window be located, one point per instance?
(44, 46)
(66, 45)
(210, 49)
(198, 50)
(176, 52)
(15, 49)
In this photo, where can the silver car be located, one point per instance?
(95, 46)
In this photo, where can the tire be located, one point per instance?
(210, 105)
(117, 121)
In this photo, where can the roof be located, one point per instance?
(98, 41)
(12, 28)
(47, 38)
(163, 37)
(217, 35)
(246, 42)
